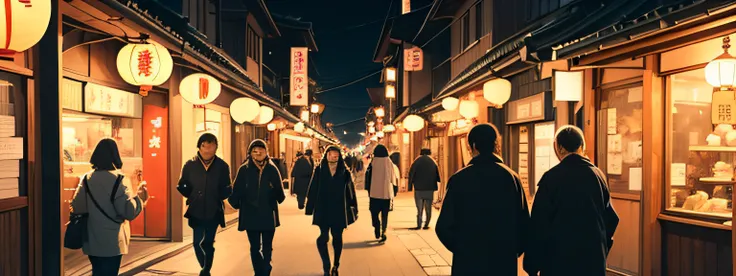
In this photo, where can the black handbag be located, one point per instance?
(76, 229)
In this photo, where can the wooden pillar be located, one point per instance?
(46, 121)
(589, 111)
(653, 156)
(175, 156)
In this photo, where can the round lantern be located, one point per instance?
(309, 132)
(388, 128)
(721, 72)
(23, 24)
(371, 129)
(271, 127)
(413, 123)
(469, 109)
(450, 103)
(497, 91)
(380, 134)
(299, 127)
(304, 115)
(145, 65)
(244, 110)
(199, 89)
(264, 116)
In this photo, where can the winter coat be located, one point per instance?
(483, 219)
(302, 174)
(572, 222)
(380, 179)
(331, 200)
(424, 174)
(205, 189)
(281, 165)
(106, 238)
(257, 193)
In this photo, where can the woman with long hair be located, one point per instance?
(380, 178)
(110, 202)
(332, 202)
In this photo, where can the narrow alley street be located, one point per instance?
(407, 252)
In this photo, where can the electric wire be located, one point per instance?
(349, 83)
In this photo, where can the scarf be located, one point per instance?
(382, 178)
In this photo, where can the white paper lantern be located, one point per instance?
(22, 24)
(264, 116)
(380, 134)
(147, 64)
(413, 123)
(450, 103)
(199, 89)
(271, 127)
(244, 110)
(304, 115)
(469, 109)
(372, 130)
(497, 91)
(299, 127)
(721, 72)
(388, 128)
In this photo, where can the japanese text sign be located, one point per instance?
(299, 82)
(413, 60)
(723, 108)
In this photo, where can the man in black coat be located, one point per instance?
(205, 183)
(573, 220)
(302, 174)
(423, 177)
(257, 192)
(485, 214)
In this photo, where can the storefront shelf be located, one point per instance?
(713, 148)
(716, 181)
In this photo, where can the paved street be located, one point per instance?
(406, 252)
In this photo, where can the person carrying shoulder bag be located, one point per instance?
(110, 202)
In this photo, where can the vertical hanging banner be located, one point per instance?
(405, 6)
(299, 83)
(413, 60)
(155, 166)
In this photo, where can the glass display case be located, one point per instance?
(702, 156)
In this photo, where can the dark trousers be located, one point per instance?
(381, 225)
(105, 266)
(324, 237)
(423, 200)
(300, 199)
(261, 249)
(204, 245)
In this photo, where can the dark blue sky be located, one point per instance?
(346, 33)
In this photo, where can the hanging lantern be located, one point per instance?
(497, 91)
(265, 115)
(462, 123)
(380, 134)
(390, 74)
(199, 89)
(380, 112)
(23, 25)
(372, 130)
(315, 108)
(721, 72)
(390, 91)
(145, 65)
(371, 123)
(244, 110)
(299, 127)
(304, 115)
(413, 123)
(469, 109)
(271, 127)
(374, 139)
(388, 128)
(450, 103)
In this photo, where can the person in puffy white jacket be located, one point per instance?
(380, 178)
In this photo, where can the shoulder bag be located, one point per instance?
(76, 228)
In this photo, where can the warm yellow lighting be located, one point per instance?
(450, 103)
(23, 24)
(390, 74)
(413, 123)
(497, 91)
(299, 127)
(721, 72)
(147, 64)
(469, 109)
(264, 116)
(405, 137)
(271, 127)
(380, 134)
(388, 128)
(244, 110)
(315, 108)
(374, 139)
(380, 112)
(304, 115)
(462, 123)
(390, 91)
(372, 130)
(199, 89)
(371, 123)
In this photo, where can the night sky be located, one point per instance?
(346, 33)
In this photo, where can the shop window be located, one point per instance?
(13, 182)
(619, 138)
(479, 20)
(464, 32)
(254, 45)
(701, 156)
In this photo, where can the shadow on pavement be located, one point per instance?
(363, 244)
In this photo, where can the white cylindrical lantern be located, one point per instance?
(146, 64)
(299, 127)
(380, 112)
(450, 103)
(497, 91)
(199, 89)
(390, 74)
(23, 24)
(315, 108)
(372, 130)
(469, 109)
(388, 128)
(304, 115)
(413, 123)
(271, 127)
(244, 110)
(390, 91)
(264, 116)
(721, 71)
(371, 123)
(380, 134)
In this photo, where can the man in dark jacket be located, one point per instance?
(302, 174)
(573, 221)
(281, 165)
(423, 177)
(257, 192)
(205, 182)
(485, 214)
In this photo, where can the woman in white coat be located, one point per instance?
(380, 179)
(111, 203)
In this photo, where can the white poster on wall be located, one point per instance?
(612, 121)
